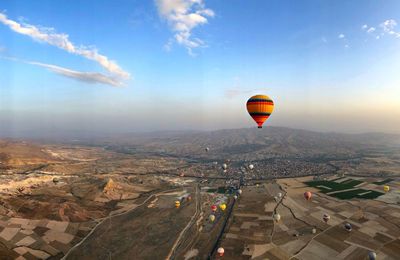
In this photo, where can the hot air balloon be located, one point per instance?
(276, 199)
(251, 166)
(348, 227)
(177, 204)
(371, 255)
(222, 206)
(279, 195)
(314, 230)
(260, 108)
(214, 208)
(207, 149)
(240, 191)
(235, 197)
(386, 188)
(277, 217)
(221, 251)
(56, 180)
(307, 195)
(326, 217)
(212, 218)
(224, 166)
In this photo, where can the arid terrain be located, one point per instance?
(114, 197)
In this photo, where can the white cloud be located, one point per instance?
(371, 30)
(87, 77)
(389, 26)
(61, 41)
(364, 27)
(378, 37)
(341, 36)
(183, 16)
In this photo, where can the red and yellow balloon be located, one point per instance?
(260, 108)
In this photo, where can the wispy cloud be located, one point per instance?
(389, 26)
(183, 16)
(371, 30)
(342, 37)
(61, 41)
(87, 77)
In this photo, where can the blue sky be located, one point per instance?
(192, 64)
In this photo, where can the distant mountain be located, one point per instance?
(251, 143)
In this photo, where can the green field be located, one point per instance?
(331, 186)
(369, 194)
(383, 182)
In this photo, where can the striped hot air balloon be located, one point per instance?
(260, 108)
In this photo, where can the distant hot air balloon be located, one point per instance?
(260, 108)
(235, 197)
(251, 166)
(212, 218)
(222, 206)
(277, 217)
(207, 149)
(224, 166)
(177, 204)
(240, 191)
(314, 230)
(348, 227)
(307, 195)
(371, 255)
(221, 251)
(326, 217)
(276, 199)
(386, 188)
(214, 208)
(279, 195)
(56, 180)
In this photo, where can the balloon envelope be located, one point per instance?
(386, 188)
(221, 251)
(326, 217)
(212, 218)
(214, 208)
(222, 206)
(251, 166)
(260, 108)
(277, 217)
(307, 195)
(348, 227)
(177, 203)
(372, 255)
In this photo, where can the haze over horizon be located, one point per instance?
(192, 64)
